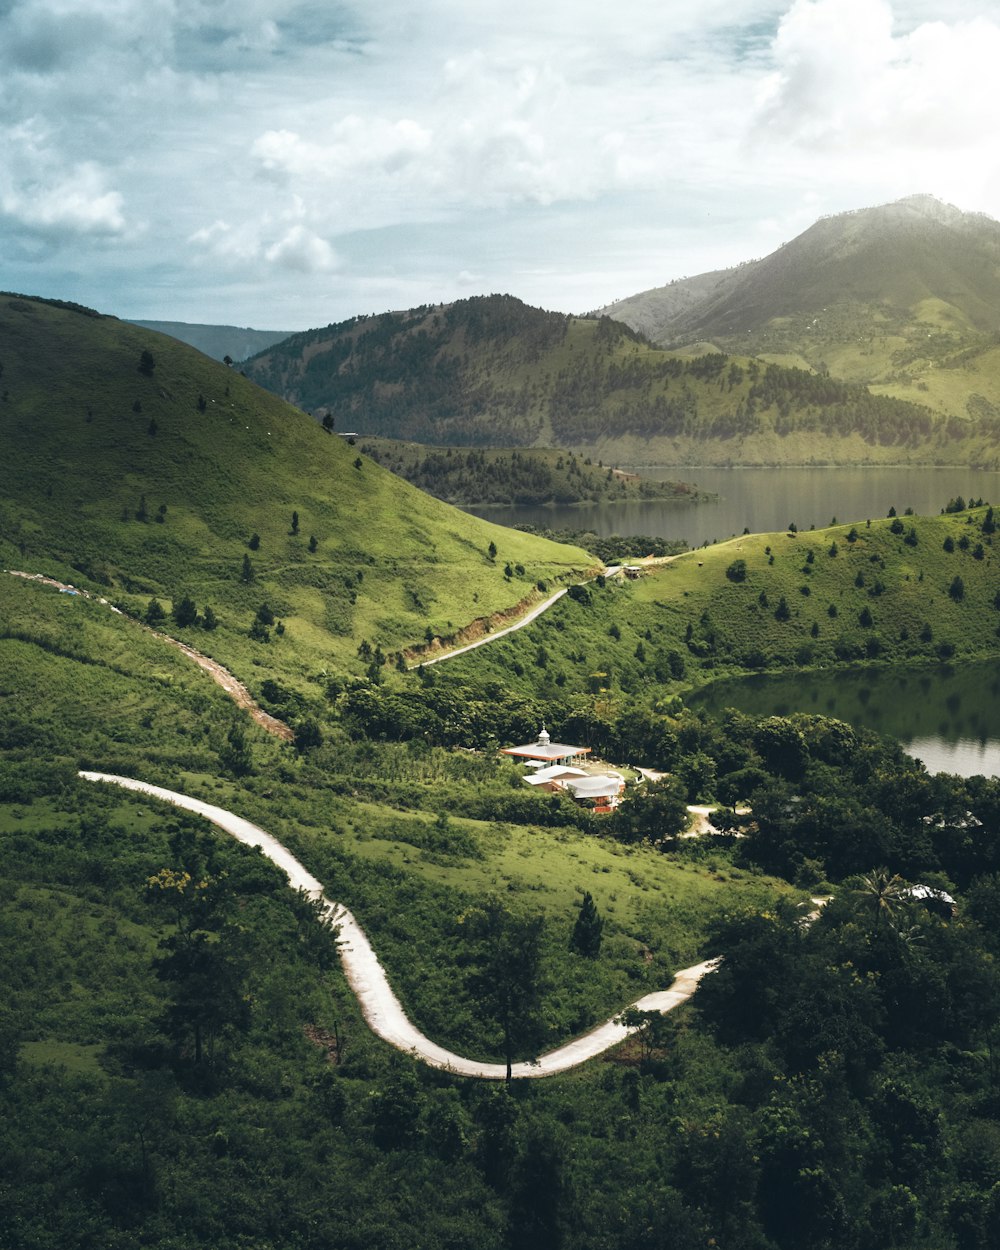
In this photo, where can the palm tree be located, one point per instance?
(882, 895)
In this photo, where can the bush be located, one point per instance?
(737, 571)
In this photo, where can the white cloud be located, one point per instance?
(302, 251)
(843, 78)
(76, 203)
(549, 147)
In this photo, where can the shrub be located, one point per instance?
(737, 571)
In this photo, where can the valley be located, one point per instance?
(184, 1059)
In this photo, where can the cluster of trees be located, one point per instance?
(518, 477)
(446, 375)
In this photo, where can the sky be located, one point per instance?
(285, 164)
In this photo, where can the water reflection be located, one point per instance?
(763, 500)
(948, 716)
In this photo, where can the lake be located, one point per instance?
(762, 500)
(949, 717)
(946, 715)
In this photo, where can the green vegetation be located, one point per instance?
(892, 591)
(900, 298)
(89, 497)
(459, 373)
(531, 476)
(182, 1063)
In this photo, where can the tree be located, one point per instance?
(491, 550)
(147, 363)
(295, 522)
(957, 589)
(313, 543)
(328, 423)
(201, 960)
(254, 542)
(265, 615)
(737, 571)
(882, 895)
(654, 812)
(782, 612)
(185, 612)
(155, 613)
(307, 735)
(140, 513)
(235, 755)
(246, 573)
(587, 931)
(506, 982)
(209, 620)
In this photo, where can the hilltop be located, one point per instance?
(134, 464)
(904, 297)
(492, 371)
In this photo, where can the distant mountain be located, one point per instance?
(236, 342)
(492, 371)
(904, 297)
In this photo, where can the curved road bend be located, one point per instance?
(365, 975)
(535, 612)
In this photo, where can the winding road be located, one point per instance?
(380, 1007)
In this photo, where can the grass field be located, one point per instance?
(339, 550)
(838, 595)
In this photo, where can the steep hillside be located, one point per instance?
(494, 372)
(904, 297)
(237, 342)
(133, 463)
(653, 313)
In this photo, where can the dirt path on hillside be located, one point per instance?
(239, 694)
(380, 1007)
(535, 612)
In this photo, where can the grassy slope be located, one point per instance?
(83, 687)
(78, 458)
(905, 588)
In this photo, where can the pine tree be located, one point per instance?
(587, 931)
(246, 575)
(185, 612)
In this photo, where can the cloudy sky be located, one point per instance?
(287, 163)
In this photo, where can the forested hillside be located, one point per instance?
(493, 371)
(904, 297)
(532, 475)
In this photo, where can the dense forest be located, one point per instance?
(530, 476)
(492, 371)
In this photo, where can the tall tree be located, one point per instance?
(589, 927)
(506, 982)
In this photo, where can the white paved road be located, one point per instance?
(381, 1008)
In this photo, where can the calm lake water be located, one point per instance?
(948, 716)
(763, 500)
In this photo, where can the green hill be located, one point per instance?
(237, 342)
(902, 590)
(904, 298)
(493, 372)
(133, 463)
